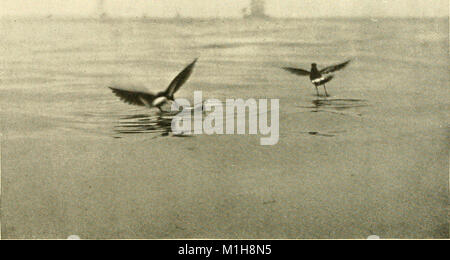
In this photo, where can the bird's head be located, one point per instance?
(314, 65)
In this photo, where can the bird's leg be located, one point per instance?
(326, 93)
(160, 110)
(317, 91)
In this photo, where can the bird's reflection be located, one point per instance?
(337, 105)
(145, 123)
(159, 123)
(346, 107)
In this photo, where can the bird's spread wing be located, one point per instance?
(299, 72)
(138, 98)
(179, 80)
(334, 68)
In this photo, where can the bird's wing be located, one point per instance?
(299, 72)
(334, 68)
(179, 80)
(134, 97)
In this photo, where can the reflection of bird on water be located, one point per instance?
(142, 97)
(142, 124)
(337, 106)
(317, 76)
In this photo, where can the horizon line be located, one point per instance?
(143, 16)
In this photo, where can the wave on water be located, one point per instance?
(338, 106)
(261, 43)
(144, 123)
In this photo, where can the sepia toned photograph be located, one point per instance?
(224, 119)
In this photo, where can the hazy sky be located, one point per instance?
(222, 8)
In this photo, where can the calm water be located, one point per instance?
(370, 159)
(61, 69)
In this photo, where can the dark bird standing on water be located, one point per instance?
(143, 97)
(317, 76)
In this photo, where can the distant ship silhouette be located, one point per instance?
(257, 9)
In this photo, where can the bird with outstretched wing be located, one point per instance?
(334, 68)
(317, 76)
(142, 97)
